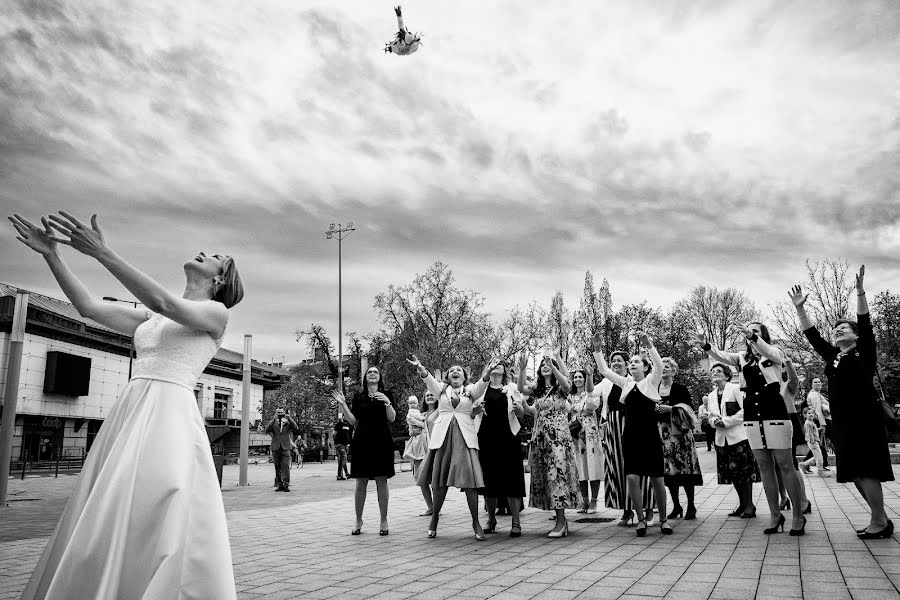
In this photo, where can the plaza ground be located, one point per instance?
(298, 545)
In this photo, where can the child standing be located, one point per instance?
(811, 433)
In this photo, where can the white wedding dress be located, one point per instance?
(146, 518)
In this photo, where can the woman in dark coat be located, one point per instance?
(860, 439)
(372, 447)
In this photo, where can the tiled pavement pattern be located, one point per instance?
(298, 546)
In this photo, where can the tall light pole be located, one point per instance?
(339, 233)
(131, 350)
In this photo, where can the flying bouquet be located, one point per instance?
(404, 41)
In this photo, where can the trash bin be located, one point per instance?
(219, 461)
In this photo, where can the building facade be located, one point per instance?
(73, 369)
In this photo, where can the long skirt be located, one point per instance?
(146, 518)
(589, 449)
(554, 476)
(615, 490)
(454, 464)
(735, 463)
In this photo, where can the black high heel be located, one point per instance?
(491, 526)
(357, 531)
(739, 511)
(677, 512)
(800, 531)
(515, 530)
(786, 505)
(808, 508)
(749, 515)
(779, 525)
(691, 513)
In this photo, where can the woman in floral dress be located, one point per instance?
(588, 448)
(554, 476)
(676, 427)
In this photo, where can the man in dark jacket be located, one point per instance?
(281, 428)
(342, 431)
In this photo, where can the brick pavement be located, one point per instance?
(313, 555)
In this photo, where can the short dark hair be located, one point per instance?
(853, 325)
(624, 356)
(725, 369)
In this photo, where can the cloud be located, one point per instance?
(708, 142)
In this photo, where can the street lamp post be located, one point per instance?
(131, 350)
(339, 233)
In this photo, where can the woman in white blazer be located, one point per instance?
(452, 458)
(734, 458)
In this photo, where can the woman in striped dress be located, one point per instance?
(612, 427)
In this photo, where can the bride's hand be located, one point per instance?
(40, 240)
(86, 240)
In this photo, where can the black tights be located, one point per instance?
(688, 491)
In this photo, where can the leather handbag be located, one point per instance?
(890, 418)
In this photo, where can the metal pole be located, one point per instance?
(11, 393)
(340, 321)
(245, 411)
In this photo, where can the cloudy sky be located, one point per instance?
(660, 145)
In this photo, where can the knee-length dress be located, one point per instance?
(554, 476)
(499, 450)
(682, 467)
(859, 436)
(372, 446)
(615, 489)
(588, 443)
(146, 518)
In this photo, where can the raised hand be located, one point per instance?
(339, 396)
(698, 338)
(86, 240)
(523, 360)
(743, 329)
(597, 342)
(799, 298)
(645, 340)
(859, 280)
(40, 240)
(412, 360)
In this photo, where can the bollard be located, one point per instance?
(57, 464)
(24, 460)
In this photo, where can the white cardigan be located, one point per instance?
(469, 397)
(511, 394)
(733, 432)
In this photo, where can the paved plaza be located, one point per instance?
(298, 545)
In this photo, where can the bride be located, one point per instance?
(146, 518)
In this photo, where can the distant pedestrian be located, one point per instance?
(811, 433)
(280, 428)
(816, 401)
(342, 431)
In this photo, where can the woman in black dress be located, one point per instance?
(641, 441)
(500, 452)
(372, 446)
(860, 439)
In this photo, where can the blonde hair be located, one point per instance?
(230, 290)
(671, 362)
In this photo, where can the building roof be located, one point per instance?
(65, 309)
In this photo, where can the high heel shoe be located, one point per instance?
(749, 515)
(800, 531)
(691, 513)
(778, 525)
(358, 530)
(383, 532)
(808, 508)
(515, 530)
(561, 533)
(491, 526)
(432, 533)
(480, 537)
(649, 518)
(665, 528)
(786, 504)
(627, 519)
(739, 511)
(677, 512)
(641, 530)
(877, 535)
(592, 507)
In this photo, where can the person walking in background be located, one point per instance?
(811, 433)
(860, 437)
(734, 458)
(148, 490)
(676, 428)
(372, 446)
(816, 401)
(342, 432)
(280, 428)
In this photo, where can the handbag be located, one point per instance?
(575, 428)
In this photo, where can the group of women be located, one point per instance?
(634, 432)
(124, 523)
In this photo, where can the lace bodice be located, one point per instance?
(169, 351)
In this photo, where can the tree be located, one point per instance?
(559, 325)
(716, 311)
(306, 398)
(594, 315)
(886, 322)
(320, 347)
